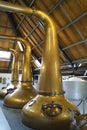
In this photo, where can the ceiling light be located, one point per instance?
(37, 63)
(20, 46)
(79, 65)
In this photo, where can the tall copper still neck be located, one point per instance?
(25, 90)
(15, 67)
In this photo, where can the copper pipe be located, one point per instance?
(25, 91)
(49, 109)
(14, 76)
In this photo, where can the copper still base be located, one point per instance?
(19, 97)
(34, 116)
(3, 93)
(6, 90)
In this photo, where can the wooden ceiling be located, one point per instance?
(70, 17)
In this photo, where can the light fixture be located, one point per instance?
(20, 46)
(79, 65)
(37, 63)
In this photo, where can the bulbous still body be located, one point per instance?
(48, 113)
(25, 90)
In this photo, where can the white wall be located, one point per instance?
(8, 79)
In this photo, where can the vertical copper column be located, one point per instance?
(49, 109)
(14, 75)
(15, 68)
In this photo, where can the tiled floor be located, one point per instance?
(10, 119)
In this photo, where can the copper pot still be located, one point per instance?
(14, 75)
(49, 109)
(25, 90)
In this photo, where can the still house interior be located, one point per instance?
(43, 64)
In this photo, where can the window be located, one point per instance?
(5, 55)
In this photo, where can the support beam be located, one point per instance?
(66, 56)
(56, 6)
(70, 19)
(37, 45)
(82, 68)
(31, 31)
(67, 71)
(30, 4)
(80, 61)
(72, 22)
(20, 22)
(75, 44)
